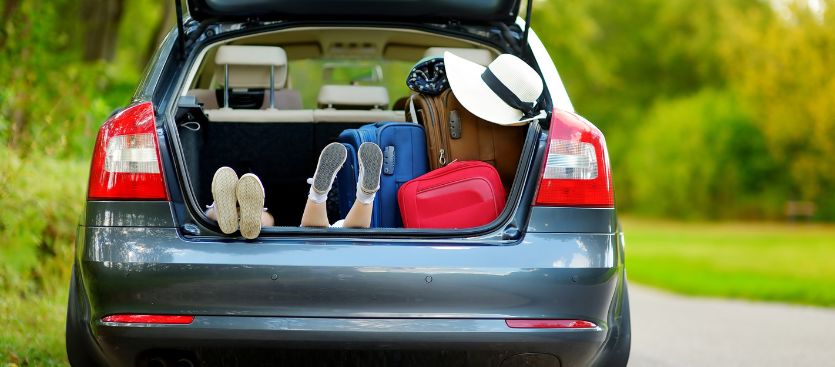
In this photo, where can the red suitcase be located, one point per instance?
(461, 194)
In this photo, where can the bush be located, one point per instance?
(703, 157)
(43, 198)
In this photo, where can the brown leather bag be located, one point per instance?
(453, 133)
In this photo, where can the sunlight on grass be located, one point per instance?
(39, 209)
(763, 261)
(33, 329)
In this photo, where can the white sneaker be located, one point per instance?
(224, 184)
(370, 159)
(250, 194)
(330, 161)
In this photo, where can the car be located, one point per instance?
(156, 283)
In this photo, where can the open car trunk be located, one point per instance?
(282, 155)
(238, 127)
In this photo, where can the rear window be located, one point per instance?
(308, 76)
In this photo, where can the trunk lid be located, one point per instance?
(465, 11)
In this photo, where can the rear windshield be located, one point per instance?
(308, 76)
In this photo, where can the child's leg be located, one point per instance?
(211, 213)
(371, 163)
(315, 215)
(359, 216)
(330, 161)
(267, 219)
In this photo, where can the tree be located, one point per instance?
(785, 67)
(101, 20)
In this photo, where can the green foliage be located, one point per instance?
(646, 72)
(43, 199)
(786, 69)
(759, 261)
(702, 156)
(33, 329)
(50, 100)
(40, 206)
(51, 105)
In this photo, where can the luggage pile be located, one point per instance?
(448, 168)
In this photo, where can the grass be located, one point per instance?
(32, 329)
(41, 198)
(759, 261)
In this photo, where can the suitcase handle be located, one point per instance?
(388, 160)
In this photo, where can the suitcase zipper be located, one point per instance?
(444, 128)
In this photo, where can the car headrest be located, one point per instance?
(353, 97)
(249, 66)
(479, 56)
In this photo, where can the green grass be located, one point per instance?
(760, 261)
(32, 329)
(41, 198)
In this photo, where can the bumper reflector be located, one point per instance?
(149, 319)
(550, 324)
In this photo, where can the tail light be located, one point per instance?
(549, 324)
(126, 163)
(149, 319)
(576, 170)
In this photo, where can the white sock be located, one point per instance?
(315, 196)
(365, 197)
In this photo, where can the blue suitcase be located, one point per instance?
(404, 158)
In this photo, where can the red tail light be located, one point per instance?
(576, 170)
(149, 319)
(126, 163)
(550, 324)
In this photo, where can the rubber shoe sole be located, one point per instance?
(371, 163)
(330, 161)
(224, 184)
(250, 194)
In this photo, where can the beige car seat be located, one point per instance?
(245, 68)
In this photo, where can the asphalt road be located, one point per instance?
(673, 330)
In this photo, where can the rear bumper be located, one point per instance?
(331, 295)
(489, 340)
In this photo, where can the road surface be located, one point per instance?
(673, 330)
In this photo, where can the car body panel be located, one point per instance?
(153, 270)
(129, 214)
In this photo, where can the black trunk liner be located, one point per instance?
(282, 155)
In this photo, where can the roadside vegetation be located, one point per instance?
(713, 110)
(782, 262)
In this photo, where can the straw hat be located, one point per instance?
(505, 92)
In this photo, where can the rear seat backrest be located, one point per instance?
(249, 67)
(357, 97)
(308, 116)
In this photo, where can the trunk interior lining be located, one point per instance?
(282, 155)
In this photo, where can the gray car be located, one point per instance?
(156, 283)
